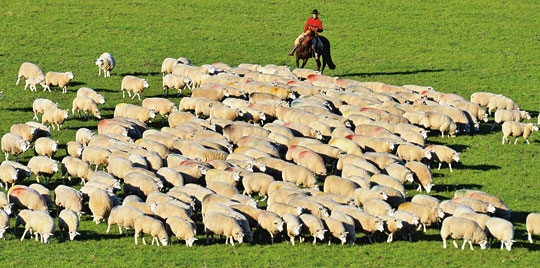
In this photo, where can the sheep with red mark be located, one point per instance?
(25, 197)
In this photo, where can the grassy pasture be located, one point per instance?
(454, 46)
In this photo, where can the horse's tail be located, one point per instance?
(326, 53)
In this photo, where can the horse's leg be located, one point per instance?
(304, 63)
(318, 60)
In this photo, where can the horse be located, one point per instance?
(304, 51)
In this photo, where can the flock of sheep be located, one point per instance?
(329, 158)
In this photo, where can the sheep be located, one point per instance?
(294, 226)
(69, 221)
(8, 175)
(257, 182)
(271, 222)
(501, 229)
(351, 170)
(97, 156)
(439, 121)
(182, 229)
(400, 172)
(457, 227)
(54, 116)
(30, 70)
(32, 82)
(377, 207)
(40, 105)
(361, 195)
(339, 185)
(100, 205)
(45, 146)
(22, 170)
(146, 224)
(83, 136)
(106, 63)
(501, 209)
(410, 152)
(443, 154)
(4, 223)
(427, 215)
(299, 175)
(336, 228)
(68, 198)
(392, 225)
(27, 132)
(532, 223)
(281, 209)
(140, 184)
(364, 222)
(41, 223)
(161, 106)
(221, 224)
(309, 204)
(133, 84)
(501, 102)
(42, 165)
(167, 64)
(234, 131)
(91, 93)
(312, 225)
(427, 200)
(502, 116)
(135, 112)
(476, 205)
(124, 216)
(177, 82)
(45, 192)
(409, 221)
(422, 175)
(86, 105)
(13, 144)
(58, 79)
(517, 129)
(482, 98)
(74, 149)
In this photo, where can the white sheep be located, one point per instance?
(443, 154)
(42, 165)
(23, 171)
(133, 84)
(400, 172)
(409, 221)
(182, 229)
(422, 175)
(271, 222)
(124, 217)
(140, 184)
(100, 205)
(87, 105)
(149, 225)
(58, 79)
(45, 146)
(30, 70)
(392, 225)
(134, 112)
(410, 152)
(299, 175)
(13, 144)
(167, 64)
(41, 223)
(377, 207)
(501, 229)
(517, 129)
(83, 135)
(257, 182)
(501, 102)
(533, 225)
(161, 106)
(361, 195)
(482, 98)
(27, 132)
(312, 225)
(8, 175)
(457, 228)
(106, 63)
(176, 82)
(41, 130)
(54, 116)
(502, 210)
(69, 221)
(475, 204)
(4, 223)
(45, 192)
(427, 215)
(294, 226)
(221, 224)
(68, 198)
(439, 121)
(339, 185)
(336, 229)
(40, 105)
(502, 116)
(74, 149)
(88, 92)
(427, 200)
(96, 155)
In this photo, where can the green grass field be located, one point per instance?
(455, 46)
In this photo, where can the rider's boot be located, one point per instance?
(292, 51)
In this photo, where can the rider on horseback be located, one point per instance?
(313, 24)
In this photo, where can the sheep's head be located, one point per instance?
(190, 241)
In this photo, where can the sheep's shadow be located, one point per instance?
(141, 74)
(442, 188)
(395, 73)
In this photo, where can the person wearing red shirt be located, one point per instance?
(312, 24)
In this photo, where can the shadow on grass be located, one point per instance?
(453, 188)
(141, 74)
(395, 73)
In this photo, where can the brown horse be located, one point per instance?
(304, 51)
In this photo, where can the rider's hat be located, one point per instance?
(315, 12)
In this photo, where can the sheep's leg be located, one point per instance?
(529, 237)
(390, 238)
(440, 164)
(136, 238)
(450, 166)
(24, 234)
(515, 142)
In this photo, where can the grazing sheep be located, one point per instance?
(377, 207)
(400, 172)
(501, 229)
(161, 106)
(106, 63)
(339, 185)
(40, 105)
(392, 225)
(45, 146)
(410, 152)
(457, 227)
(482, 98)
(69, 221)
(23, 171)
(74, 149)
(100, 205)
(533, 225)
(271, 222)
(83, 136)
(68, 198)
(501, 102)
(281, 209)
(517, 129)
(361, 195)
(443, 154)
(54, 116)
(25, 197)
(167, 64)
(146, 224)
(409, 221)
(182, 229)
(312, 225)
(4, 223)
(422, 175)
(97, 156)
(8, 175)
(42, 165)
(140, 184)
(476, 205)
(502, 116)
(58, 79)
(134, 112)
(221, 224)
(30, 70)
(88, 92)
(427, 200)
(501, 209)
(133, 84)
(299, 175)
(439, 121)
(45, 192)
(294, 226)
(257, 182)
(14, 144)
(86, 105)
(41, 223)
(27, 132)
(124, 216)
(427, 215)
